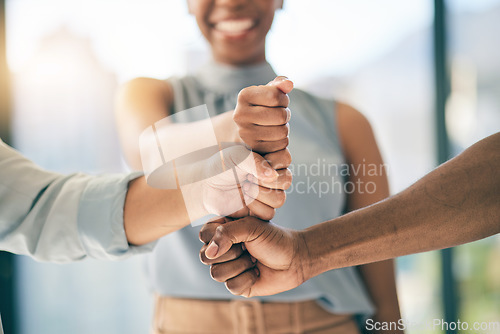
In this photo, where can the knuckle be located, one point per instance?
(287, 157)
(216, 273)
(269, 214)
(244, 94)
(281, 160)
(284, 130)
(223, 232)
(237, 115)
(287, 114)
(234, 287)
(280, 144)
(286, 142)
(280, 198)
(204, 235)
(285, 100)
(220, 230)
(283, 116)
(288, 178)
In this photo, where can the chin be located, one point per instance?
(237, 59)
(238, 53)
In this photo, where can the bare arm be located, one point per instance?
(154, 213)
(456, 203)
(150, 213)
(142, 102)
(367, 172)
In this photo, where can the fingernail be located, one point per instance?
(257, 272)
(212, 250)
(281, 78)
(251, 178)
(253, 259)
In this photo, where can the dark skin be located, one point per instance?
(354, 130)
(455, 204)
(360, 149)
(236, 31)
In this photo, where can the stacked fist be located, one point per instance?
(262, 117)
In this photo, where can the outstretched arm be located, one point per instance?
(142, 102)
(61, 218)
(456, 203)
(212, 186)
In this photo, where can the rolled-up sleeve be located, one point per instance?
(61, 218)
(100, 218)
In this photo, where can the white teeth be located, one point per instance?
(234, 26)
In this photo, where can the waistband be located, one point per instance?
(197, 316)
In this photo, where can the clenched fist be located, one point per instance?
(275, 259)
(262, 116)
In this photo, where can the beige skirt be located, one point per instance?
(196, 316)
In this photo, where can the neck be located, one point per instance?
(229, 59)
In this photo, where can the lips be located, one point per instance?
(234, 27)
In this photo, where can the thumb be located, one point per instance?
(234, 232)
(283, 83)
(263, 170)
(259, 167)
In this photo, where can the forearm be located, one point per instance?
(209, 186)
(225, 128)
(151, 213)
(61, 218)
(456, 203)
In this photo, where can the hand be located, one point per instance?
(262, 116)
(274, 259)
(234, 181)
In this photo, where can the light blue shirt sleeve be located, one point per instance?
(61, 218)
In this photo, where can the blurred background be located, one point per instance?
(66, 58)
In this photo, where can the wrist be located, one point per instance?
(192, 182)
(322, 249)
(309, 257)
(234, 128)
(194, 201)
(225, 128)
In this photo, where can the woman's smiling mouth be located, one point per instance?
(234, 27)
